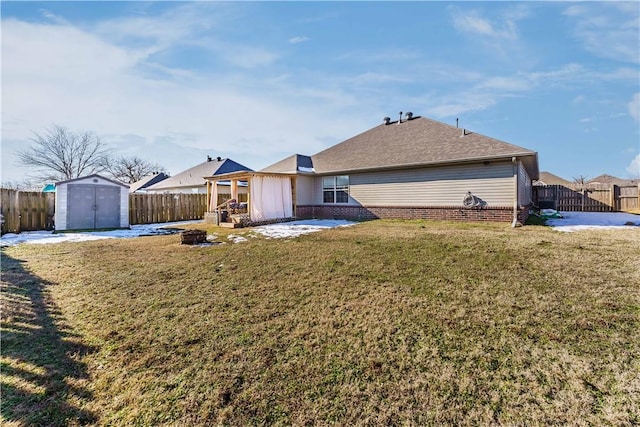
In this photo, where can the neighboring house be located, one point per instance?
(547, 178)
(141, 185)
(192, 180)
(411, 168)
(606, 179)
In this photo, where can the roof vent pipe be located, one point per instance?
(409, 115)
(457, 122)
(219, 159)
(208, 158)
(464, 132)
(386, 120)
(400, 119)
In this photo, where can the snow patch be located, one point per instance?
(236, 239)
(47, 237)
(298, 228)
(577, 221)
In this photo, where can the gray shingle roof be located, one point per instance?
(194, 177)
(547, 178)
(147, 181)
(610, 179)
(291, 164)
(417, 142)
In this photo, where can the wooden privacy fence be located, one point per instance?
(153, 208)
(26, 210)
(601, 198)
(31, 211)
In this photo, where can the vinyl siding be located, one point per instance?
(436, 186)
(304, 190)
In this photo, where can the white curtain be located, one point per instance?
(213, 203)
(270, 198)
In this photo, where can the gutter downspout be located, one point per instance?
(514, 160)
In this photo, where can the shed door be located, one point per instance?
(92, 206)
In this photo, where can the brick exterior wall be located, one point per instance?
(450, 213)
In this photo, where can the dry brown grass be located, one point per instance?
(387, 322)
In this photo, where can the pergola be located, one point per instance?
(271, 196)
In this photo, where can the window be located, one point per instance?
(335, 189)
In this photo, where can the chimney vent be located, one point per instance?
(386, 120)
(208, 158)
(400, 118)
(409, 115)
(219, 158)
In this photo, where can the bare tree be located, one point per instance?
(61, 154)
(24, 185)
(132, 169)
(580, 181)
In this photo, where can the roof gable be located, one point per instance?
(547, 178)
(413, 143)
(147, 181)
(292, 164)
(95, 175)
(194, 177)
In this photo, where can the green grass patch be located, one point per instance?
(386, 322)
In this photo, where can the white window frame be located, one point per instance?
(331, 186)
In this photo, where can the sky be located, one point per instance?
(173, 82)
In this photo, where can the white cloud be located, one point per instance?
(634, 167)
(634, 107)
(503, 26)
(514, 83)
(608, 29)
(87, 81)
(298, 39)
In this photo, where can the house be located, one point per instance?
(91, 203)
(547, 178)
(141, 185)
(410, 168)
(192, 180)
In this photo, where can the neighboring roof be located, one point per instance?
(194, 177)
(547, 178)
(610, 179)
(49, 188)
(147, 181)
(292, 164)
(95, 175)
(417, 142)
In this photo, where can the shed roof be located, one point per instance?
(95, 175)
(194, 177)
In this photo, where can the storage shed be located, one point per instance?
(91, 203)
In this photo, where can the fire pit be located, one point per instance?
(193, 237)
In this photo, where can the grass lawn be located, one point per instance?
(383, 323)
